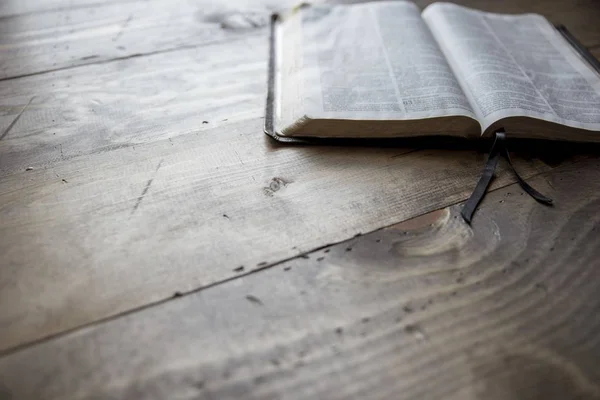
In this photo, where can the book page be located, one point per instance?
(288, 72)
(516, 66)
(375, 61)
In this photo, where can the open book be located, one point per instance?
(386, 69)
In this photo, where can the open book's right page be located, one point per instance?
(517, 66)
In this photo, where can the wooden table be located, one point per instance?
(155, 244)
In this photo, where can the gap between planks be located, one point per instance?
(60, 8)
(231, 39)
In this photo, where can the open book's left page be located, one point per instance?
(371, 65)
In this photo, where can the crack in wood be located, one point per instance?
(14, 121)
(146, 188)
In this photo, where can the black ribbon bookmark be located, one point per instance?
(498, 149)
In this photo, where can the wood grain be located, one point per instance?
(57, 34)
(12, 8)
(151, 176)
(97, 235)
(428, 308)
(64, 37)
(134, 100)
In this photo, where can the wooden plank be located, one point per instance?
(428, 308)
(129, 187)
(95, 31)
(97, 235)
(76, 112)
(131, 101)
(68, 37)
(14, 8)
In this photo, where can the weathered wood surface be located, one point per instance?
(101, 107)
(137, 99)
(101, 234)
(426, 309)
(133, 197)
(63, 37)
(56, 34)
(12, 8)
